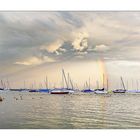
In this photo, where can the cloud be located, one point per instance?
(60, 51)
(52, 47)
(35, 61)
(35, 38)
(81, 42)
(101, 48)
(81, 53)
(87, 32)
(127, 63)
(56, 47)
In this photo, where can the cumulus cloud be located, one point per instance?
(54, 48)
(81, 42)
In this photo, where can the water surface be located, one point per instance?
(36, 110)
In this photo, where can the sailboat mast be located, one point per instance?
(132, 84)
(46, 82)
(34, 84)
(84, 85)
(68, 79)
(137, 85)
(62, 81)
(107, 84)
(87, 85)
(76, 86)
(65, 77)
(24, 84)
(127, 85)
(123, 83)
(97, 83)
(71, 84)
(39, 85)
(2, 84)
(103, 81)
(89, 82)
(8, 85)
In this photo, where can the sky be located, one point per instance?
(87, 45)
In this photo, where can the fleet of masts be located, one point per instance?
(69, 87)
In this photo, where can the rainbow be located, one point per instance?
(102, 72)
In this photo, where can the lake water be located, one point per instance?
(37, 110)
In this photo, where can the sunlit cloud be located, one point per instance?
(81, 42)
(52, 47)
(35, 61)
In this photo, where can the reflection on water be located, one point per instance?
(69, 111)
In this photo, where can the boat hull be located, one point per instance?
(119, 91)
(33, 90)
(88, 91)
(60, 92)
(100, 92)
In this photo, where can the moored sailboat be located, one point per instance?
(62, 90)
(46, 89)
(87, 88)
(120, 90)
(59, 91)
(102, 90)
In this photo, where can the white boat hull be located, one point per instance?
(100, 92)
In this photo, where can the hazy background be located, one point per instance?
(85, 44)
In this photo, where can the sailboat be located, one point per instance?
(87, 88)
(70, 86)
(102, 90)
(137, 91)
(59, 91)
(62, 90)
(44, 90)
(134, 90)
(33, 89)
(120, 90)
